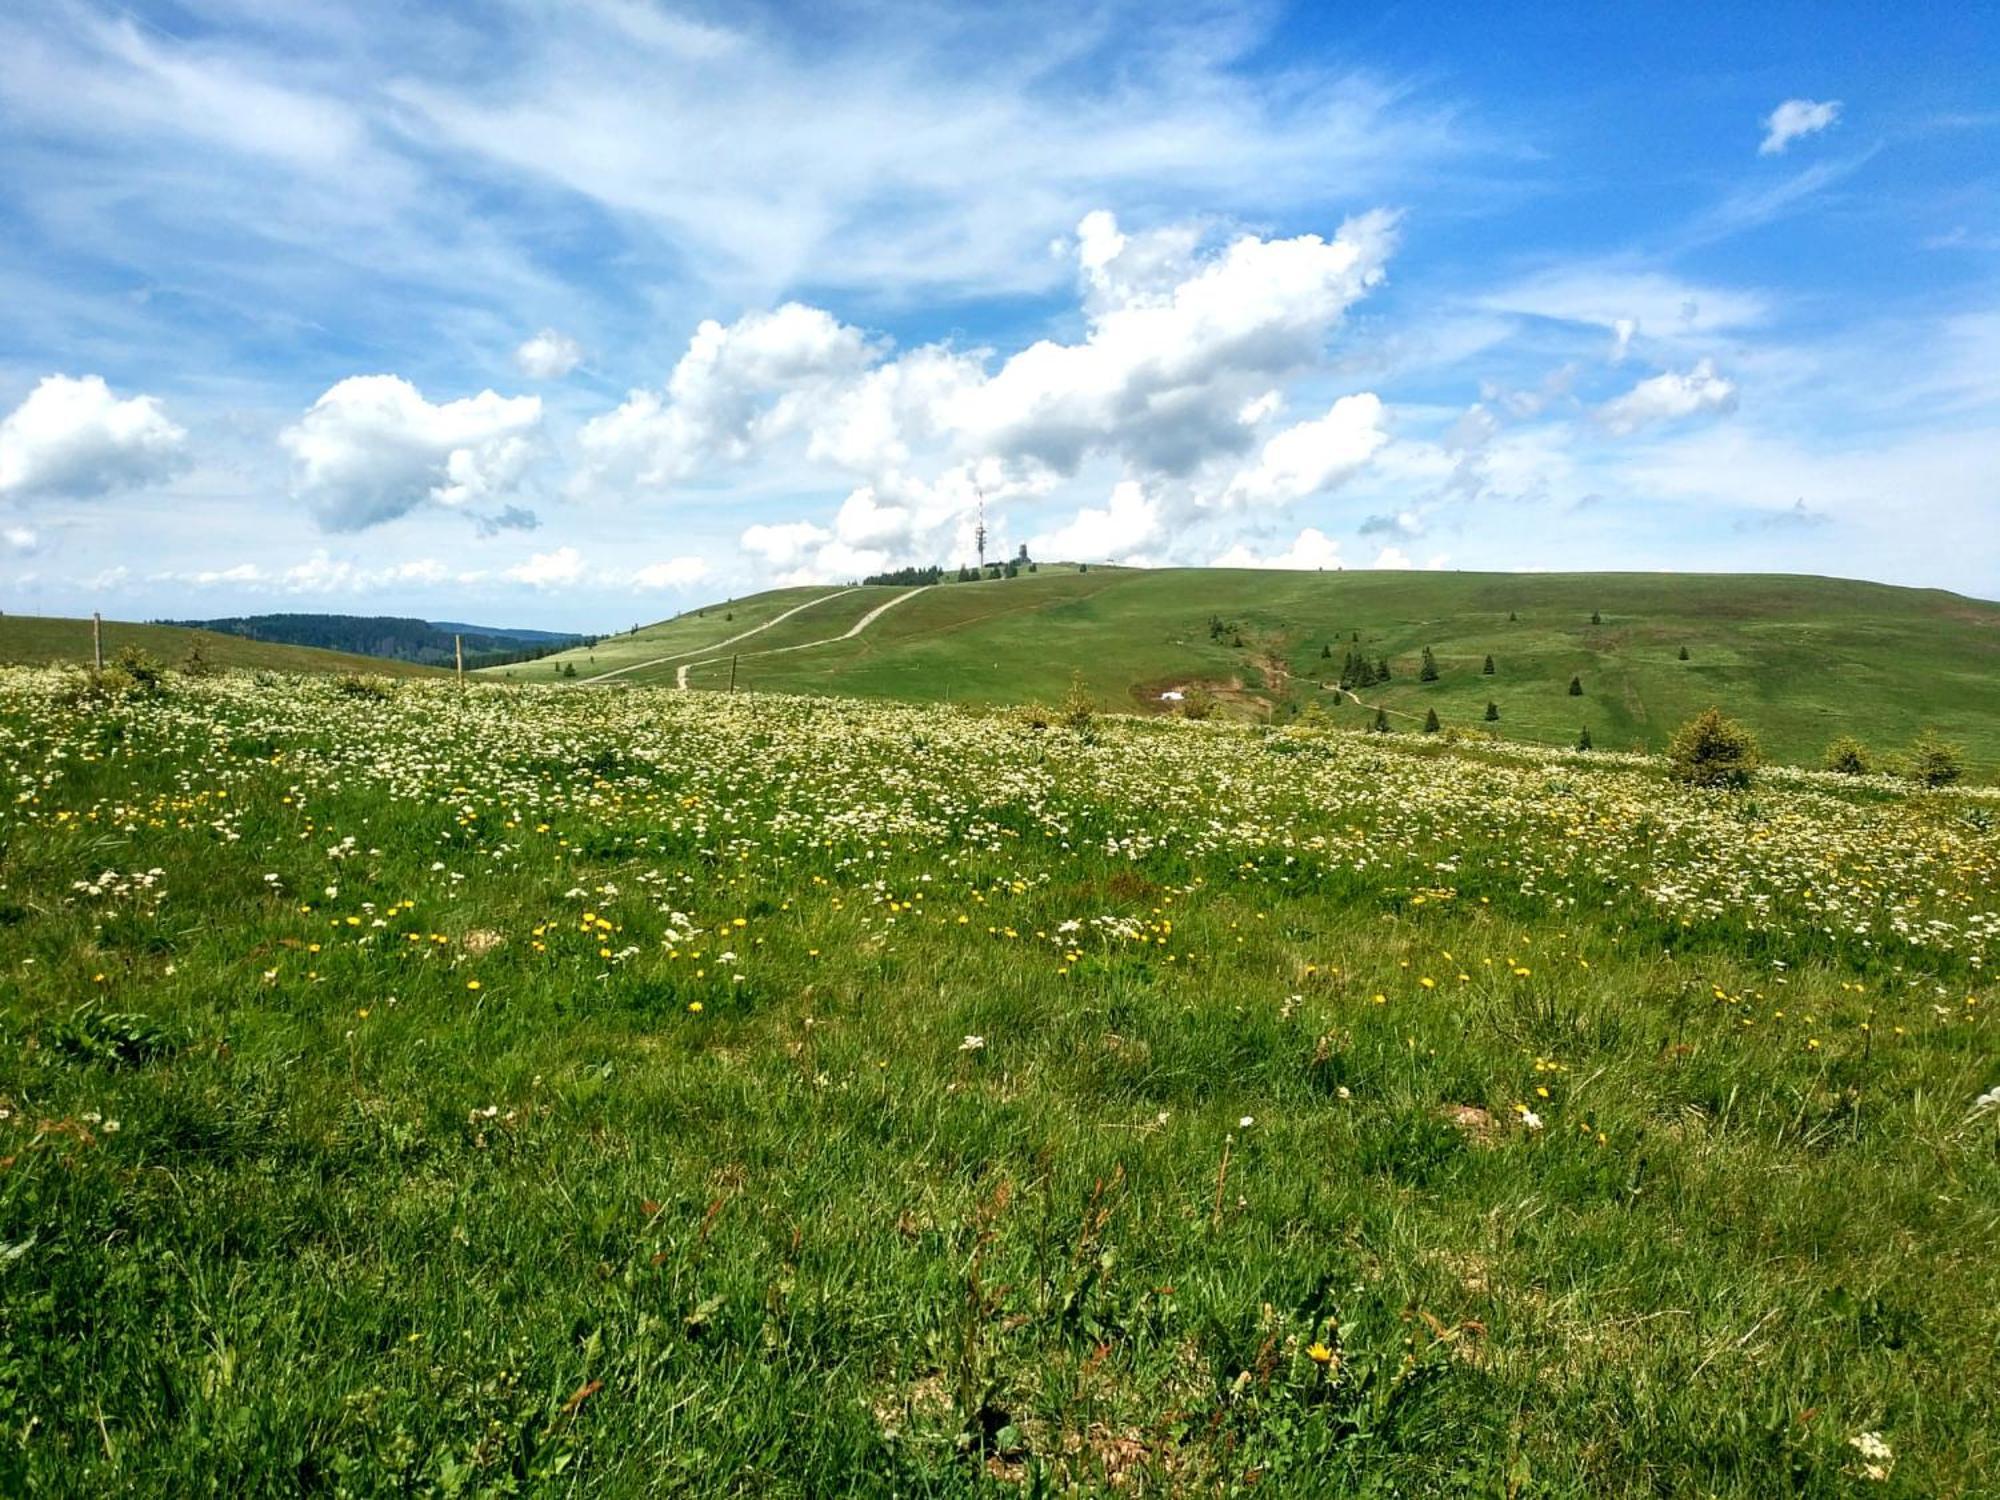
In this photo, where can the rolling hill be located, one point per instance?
(1801, 659)
(38, 640)
(433, 643)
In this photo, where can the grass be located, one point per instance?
(1802, 660)
(536, 1091)
(39, 640)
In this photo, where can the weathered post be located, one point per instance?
(458, 650)
(97, 640)
(732, 671)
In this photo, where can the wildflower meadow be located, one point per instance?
(430, 1090)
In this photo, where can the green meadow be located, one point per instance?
(1801, 660)
(422, 1090)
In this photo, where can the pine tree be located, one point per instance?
(1326, 652)
(1576, 687)
(1596, 618)
(1487, 670)
(1684, 653)
(1431, 725)
(1429, 671)
(1381, 721)
(1583, 740)
(1492, 712)
(1511, 617)
(1382, 670)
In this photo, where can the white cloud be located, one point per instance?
(1097, 533)
(372, 449)
(549, 355)
(1795, 118)
(1310, 549)
(1653, 303)
(548, 570)
(673, 573)
(1669, 398)
(73, 439)
(737, 388)
(1312, 457)
(20, 539)
(1174, 351)
(785, 545)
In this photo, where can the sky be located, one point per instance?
(577, 315)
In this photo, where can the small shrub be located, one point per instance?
(1431, 725)
(1078, 710)
(1710, 750)
(1933, 761)
(1487, 670)
(1197, 702)
(197, 662)
(354, 685)
(1381, 724)
(1576, 687)
(141, 668)
(1429, 671)
(1492, 713)
(1684, 653)
(1848, 756)
(1583, 739)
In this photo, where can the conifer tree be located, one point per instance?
(1326, 652)
(1684, 653)
(1429, 671)
(1583, 740)
(1596, 618)
(1576, 687)
(1431, 725)
(1382, 670)
(1487, 670)
(1492, 712)
(1381, 721)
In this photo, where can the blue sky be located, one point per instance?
(580, 314)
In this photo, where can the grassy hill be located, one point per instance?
(1801, 659)
(39, 640)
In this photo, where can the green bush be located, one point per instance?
(1848, 756)
(1933, 760)
(1710, 750)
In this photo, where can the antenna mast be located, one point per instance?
(979, 535)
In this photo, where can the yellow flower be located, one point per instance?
(1319, 1354)
(694, 1007)
(472, 984)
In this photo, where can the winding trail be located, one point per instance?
(681, 676)
(660, 661)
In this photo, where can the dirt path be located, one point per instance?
(660, 661)
(681, 676)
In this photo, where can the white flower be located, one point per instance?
(1344, 1092)
(1986, 1104)
(1877, 1458)
(1246, 1122)
(973, 1044)
(1530, 1119)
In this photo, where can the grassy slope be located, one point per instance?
(1801, 659)
(38, 640)
(693, 631)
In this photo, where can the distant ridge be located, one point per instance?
(394, 637)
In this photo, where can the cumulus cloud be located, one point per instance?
(1310, 549)
(549, 355)
(671, 573)
(548, 570)
(1183, 349)
(785, 545)
(319, 574)
(20, 539)
(73, 439)
(1312, 457)
(738, 387)
(372, 449)
(1795, 118)
(1669, 398)
(1095, 533)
